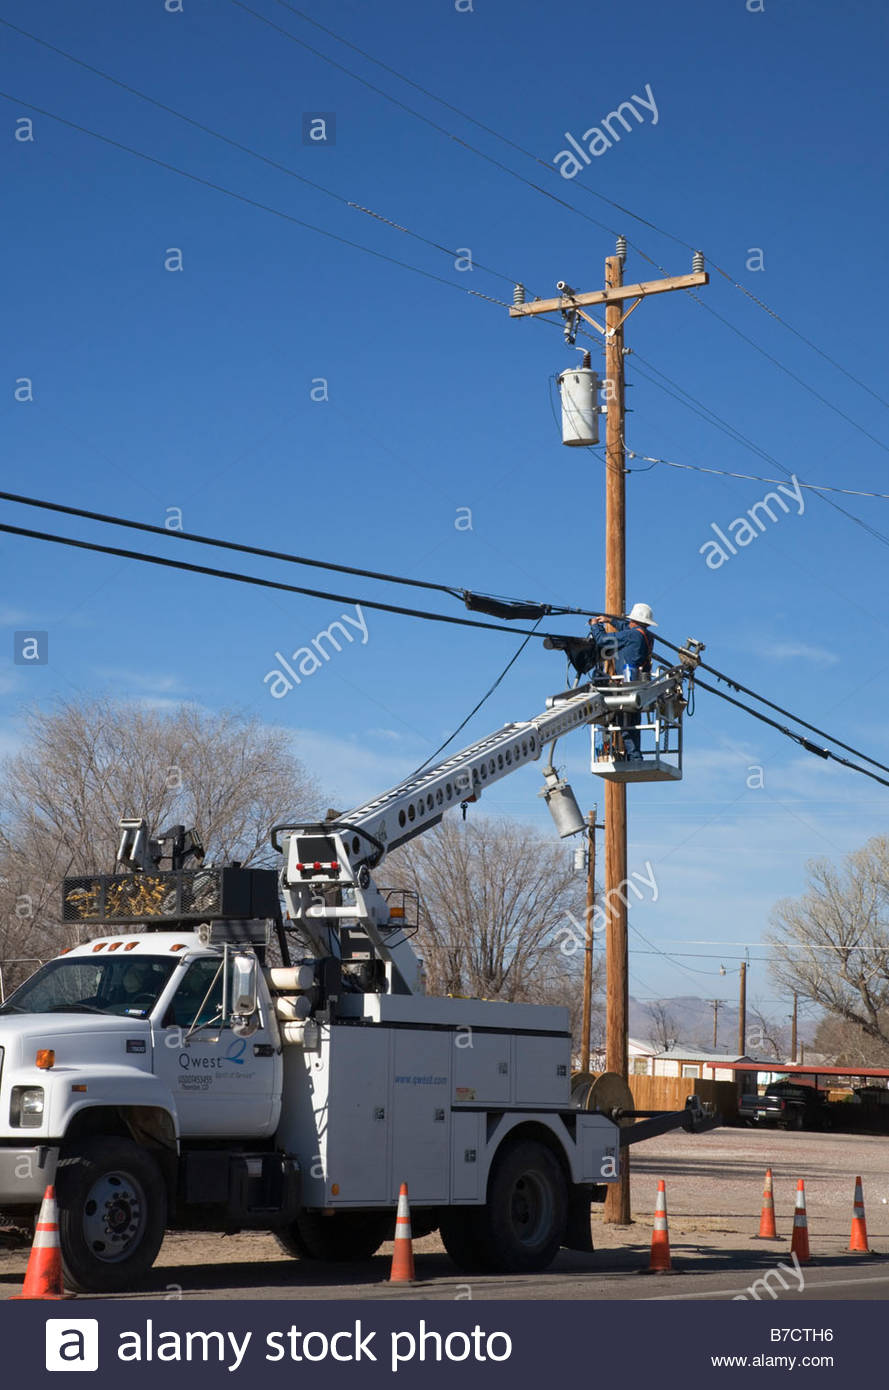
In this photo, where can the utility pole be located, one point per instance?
(742, 1011)
(571, 305)
(717, 1004)
(592, 827)
(793, 1023)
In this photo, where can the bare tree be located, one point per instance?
(831, 944)
(87, 762)
(846, 1045)
(767, 1032)
(501, 914)
(664, 1029)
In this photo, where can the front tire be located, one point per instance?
(112, 1214)
(523, 1223)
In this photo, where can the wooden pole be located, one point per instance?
(793, 1023)
(716, 1003)
(617, 1007)
(585, 1059)
(742, 1011)
(614, 297)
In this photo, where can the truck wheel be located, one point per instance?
(523, 1223)
(112, 1214)
(346, 1235)
(460, 1233)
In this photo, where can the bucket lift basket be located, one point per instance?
(659, 732)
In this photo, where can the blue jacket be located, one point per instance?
(628, 645)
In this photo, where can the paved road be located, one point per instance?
(613, 1274)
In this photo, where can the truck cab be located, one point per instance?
(122, 1068)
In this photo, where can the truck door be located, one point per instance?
(224, 1085)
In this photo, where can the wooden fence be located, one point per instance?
(671, 1093)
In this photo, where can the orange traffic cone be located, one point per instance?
(43, 1277)
(403, 1255)
(799, 1242)
(858, 1238)
(767, 1229)
(660, 1236)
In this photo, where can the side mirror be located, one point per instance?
(243, 985)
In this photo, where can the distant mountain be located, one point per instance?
(691, 1021)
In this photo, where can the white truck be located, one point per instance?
(165, 1075)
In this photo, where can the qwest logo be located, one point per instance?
(72, 1344)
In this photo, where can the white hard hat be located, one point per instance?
(641, 613)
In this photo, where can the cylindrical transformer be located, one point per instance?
(579, 387)
(563, 808)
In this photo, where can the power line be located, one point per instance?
(399, 609)
(475, 709)
(261, 583)
(451, 590)
(319, 187)
(546, 164)
(199, 539)
(788, 733)
(246, 149)
(250, 202)
(753, 477)
(697, 407)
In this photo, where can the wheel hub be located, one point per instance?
(530, 1205)
(114, 1216)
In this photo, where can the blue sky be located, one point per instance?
(155, 389)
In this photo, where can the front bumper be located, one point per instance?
(25, 1173)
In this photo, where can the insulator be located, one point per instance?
(697, 263)
(621, 248)
(518, 294)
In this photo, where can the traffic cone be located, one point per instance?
(767, 1229)
(858, 1238)
(799, 1242)
(403, 1255)
(660, 1236)
(43, 1277)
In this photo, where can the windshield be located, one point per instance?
(129, 986)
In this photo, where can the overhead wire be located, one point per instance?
(750, 477)
(451, 591)
(475, 709)
(166, 563)
(810, 747)
(250, 202)
(704, 412)
(371, 251)
(246, 149)
(582, 188)
(312, 183)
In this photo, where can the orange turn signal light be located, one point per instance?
(45, 1058)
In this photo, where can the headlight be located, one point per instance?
(26, 1106)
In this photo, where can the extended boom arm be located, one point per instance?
(326, 879)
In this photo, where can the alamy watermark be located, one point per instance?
(741, 528)
(309, 659)
(570, 163)
(573, 936)
(753, 1291)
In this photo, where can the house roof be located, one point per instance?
(684, 1052)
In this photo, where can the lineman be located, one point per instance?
(627, 643)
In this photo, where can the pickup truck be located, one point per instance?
(786, 1104)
